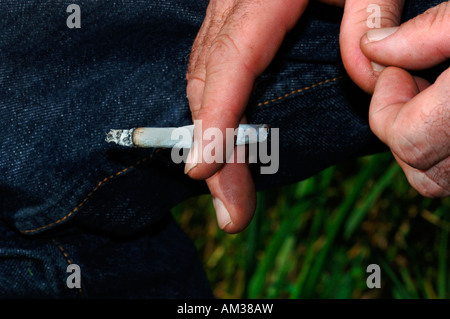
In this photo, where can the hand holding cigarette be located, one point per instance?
(237, 41)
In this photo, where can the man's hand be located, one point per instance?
(354, 26)
(237, 41)
(406, 113)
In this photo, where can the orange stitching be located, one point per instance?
(62, 250)
(298, 91)
(86, 198)
(140, 161)
(67, 258)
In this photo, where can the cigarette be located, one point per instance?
(180, 137)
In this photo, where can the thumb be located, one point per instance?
(417, 44)
(359, 17)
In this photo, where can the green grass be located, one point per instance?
(315, 239)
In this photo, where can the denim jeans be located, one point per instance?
(68, 197)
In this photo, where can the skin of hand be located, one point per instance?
(354, 25)
(407, 113)
(236, 42)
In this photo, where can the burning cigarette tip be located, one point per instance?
(120, 137)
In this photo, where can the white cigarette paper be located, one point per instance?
(180, 137)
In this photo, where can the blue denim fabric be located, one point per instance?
(66, 196)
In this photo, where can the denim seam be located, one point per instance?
(68, 260)
(106, 179)
(299, 91)
(83, 202)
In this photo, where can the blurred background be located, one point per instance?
(315, 239)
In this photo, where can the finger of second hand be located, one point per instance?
(431, 183)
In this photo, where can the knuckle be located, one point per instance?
(432, 183)
(195, 64)
(223, 48)
(435, 17)
(438, 122)
(389, 20)
(421, 139)
(190, 71)
(409, 151)
(390, 14)
(195, 72)
(439, 185)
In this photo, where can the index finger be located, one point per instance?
(243, 48)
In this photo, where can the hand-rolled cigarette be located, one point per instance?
(180, 137)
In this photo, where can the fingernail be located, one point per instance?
(191, 160)
(380, 34)
(377, 67)
(188, 167)
(223, 217)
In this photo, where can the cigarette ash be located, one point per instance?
(120, 137)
